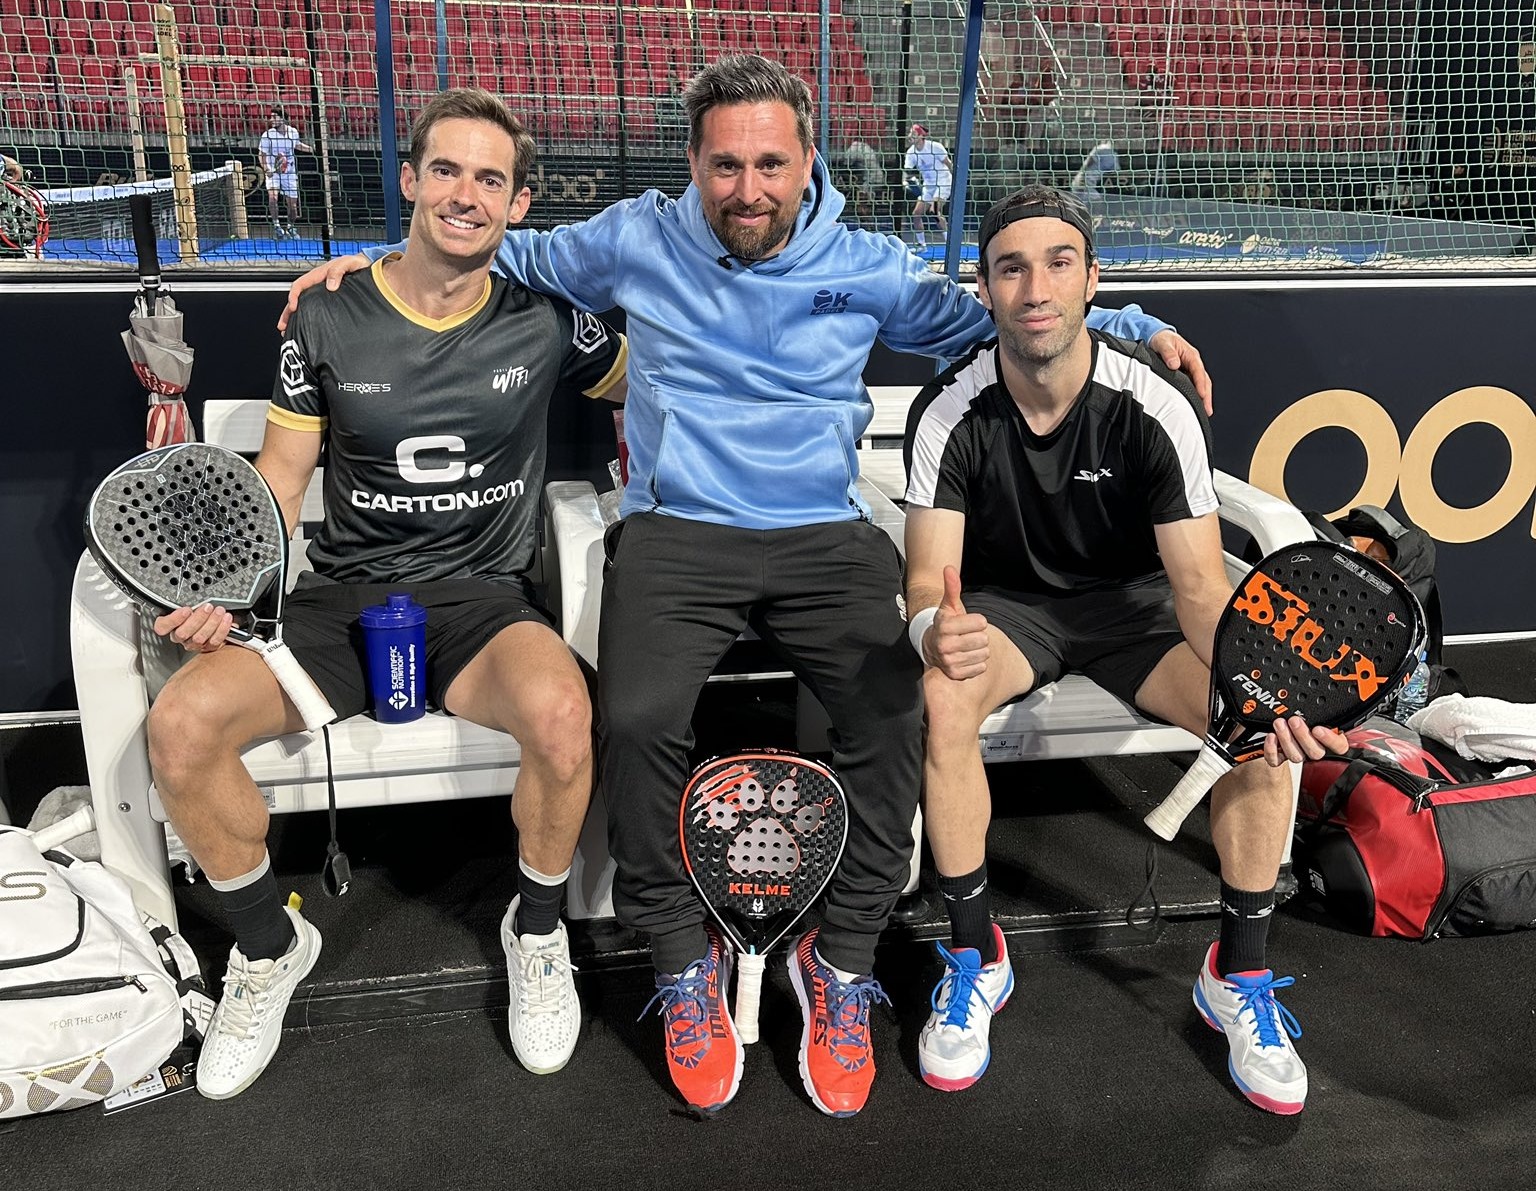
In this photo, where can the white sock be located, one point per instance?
(845, 977)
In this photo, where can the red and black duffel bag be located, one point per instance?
(1404, 837)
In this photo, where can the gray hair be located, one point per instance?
(745, 78)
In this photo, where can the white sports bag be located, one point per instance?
(91, 991)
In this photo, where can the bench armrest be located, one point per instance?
(576, 563)
(1270, 521)
(114, 706)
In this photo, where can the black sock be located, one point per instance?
(1245, 918)
(538, 913)
(970, 912)
(255, 909)
(678, 949)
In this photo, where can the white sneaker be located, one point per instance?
(954, 1048)
(544, 1017)
(248, 1023)
(1263, 1062)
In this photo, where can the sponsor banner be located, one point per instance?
(1419, 399)
(1138, 230)
(1415, 395)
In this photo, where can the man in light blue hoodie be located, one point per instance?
(751, 313)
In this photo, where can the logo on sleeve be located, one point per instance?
(590, 333)
(293, 371)
(826, 301)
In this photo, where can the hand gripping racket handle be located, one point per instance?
(749, 992)
(1169, 815)
(311, 704)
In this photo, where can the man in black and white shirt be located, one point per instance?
(430, 383)
(1067, 475)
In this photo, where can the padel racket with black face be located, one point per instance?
(1315, 629)
(762, 833)
(192, 524)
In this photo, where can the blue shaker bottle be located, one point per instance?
(395, 633)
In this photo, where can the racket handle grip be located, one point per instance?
(300, 687)
(1169, 815)
(749, 993)
(65, 830)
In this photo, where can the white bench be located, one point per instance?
(441, 757)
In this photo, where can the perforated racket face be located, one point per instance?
(762, 834)
(189, 524)
(1315, 630)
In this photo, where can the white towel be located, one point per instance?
(1480, 728)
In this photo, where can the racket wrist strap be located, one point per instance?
(917, 629)
(336, 874)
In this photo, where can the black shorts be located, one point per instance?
(1116, 637)
(320, 626)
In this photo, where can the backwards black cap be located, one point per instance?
(1036, 202)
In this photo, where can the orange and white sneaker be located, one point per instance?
(837, 1061)
(704, 1055)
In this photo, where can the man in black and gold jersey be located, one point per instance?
(1068, 474)
(429, 382)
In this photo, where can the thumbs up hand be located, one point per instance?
(957, 641)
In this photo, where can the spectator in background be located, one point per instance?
(278, 146)
(865, 178)
(928, 161)
(1156, 86)
(1259, 187)
(672, 117)
(1102, 160)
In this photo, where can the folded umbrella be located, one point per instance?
(160, 356)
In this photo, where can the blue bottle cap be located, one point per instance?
(399, 611)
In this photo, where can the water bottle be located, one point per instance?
(1415, 692)
(396, 636)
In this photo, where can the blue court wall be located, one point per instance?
(1418, 394)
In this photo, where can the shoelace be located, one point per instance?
(960, 983)
(544, 987)
(1260, 1001)
(682, 1004)
(245, 999)
(848, 1008)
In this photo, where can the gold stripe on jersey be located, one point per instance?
(421, 320)
(620, 363)
(289, 420)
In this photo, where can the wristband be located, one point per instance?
(917, 629)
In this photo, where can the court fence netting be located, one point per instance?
(1204, 134)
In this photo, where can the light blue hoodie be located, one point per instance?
(746, 396)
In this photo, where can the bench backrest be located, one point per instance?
(240, 425)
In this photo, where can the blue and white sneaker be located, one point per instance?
(954, 1048)
(1263, 1062)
